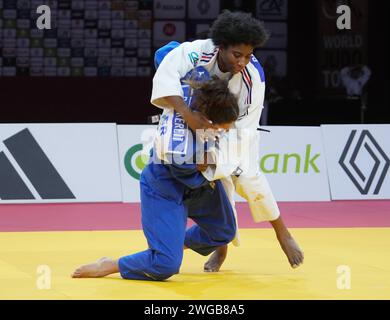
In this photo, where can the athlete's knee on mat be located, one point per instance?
(165, 267)
(164, 273)
(158, 272)
(161, 276)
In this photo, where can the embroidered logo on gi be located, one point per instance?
(194, 58)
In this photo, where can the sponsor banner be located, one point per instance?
(166, 31)
(203, 9)
(274, 62)
(132, 157)
(292, 158)
(358, 159)
(278, 35)
(271, 10)
(169, 9)
(45, 163)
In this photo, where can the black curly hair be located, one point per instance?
(233, 28)
(216, 102)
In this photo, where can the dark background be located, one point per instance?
(126, 100)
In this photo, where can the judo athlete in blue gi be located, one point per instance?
(173, 189)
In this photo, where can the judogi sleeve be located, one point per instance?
(176, 64)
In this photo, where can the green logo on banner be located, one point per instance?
(135, 161)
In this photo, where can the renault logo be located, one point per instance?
(365, 162)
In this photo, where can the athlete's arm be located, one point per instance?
(195, 120)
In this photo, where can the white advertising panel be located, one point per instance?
(358, 159)
(42, 163)
(293, 160)
(132, 159)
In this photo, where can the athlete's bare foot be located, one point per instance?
(101, 268)
(216, 260)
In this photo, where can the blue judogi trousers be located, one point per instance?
(170, 194)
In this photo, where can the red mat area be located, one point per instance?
(125, 216)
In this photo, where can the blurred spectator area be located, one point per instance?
(126, 99)
(76, 99)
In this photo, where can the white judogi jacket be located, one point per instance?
(249, 87)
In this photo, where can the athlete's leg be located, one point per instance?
(163, 223)
(214, 217)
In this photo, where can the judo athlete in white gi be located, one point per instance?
(229, 55)
(172, 189)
